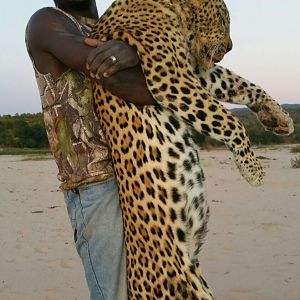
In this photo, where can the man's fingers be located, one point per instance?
(107, 68)
(94, 59)
(109, 58)
(100, 65)
(92, 42)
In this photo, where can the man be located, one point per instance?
(65, 61)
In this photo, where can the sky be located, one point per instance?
(265, 34)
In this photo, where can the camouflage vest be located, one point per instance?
(75, 137)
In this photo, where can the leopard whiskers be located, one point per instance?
(215, 49)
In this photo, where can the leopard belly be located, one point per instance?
(163, 200)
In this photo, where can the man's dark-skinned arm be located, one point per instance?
(57, 45)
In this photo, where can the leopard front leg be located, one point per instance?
(173, 84)
(227, 86)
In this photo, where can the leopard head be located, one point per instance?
(207, 26)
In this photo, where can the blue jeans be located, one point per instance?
(95, 215)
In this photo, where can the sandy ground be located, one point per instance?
(252, 252)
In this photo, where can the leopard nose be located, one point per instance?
(229, 45)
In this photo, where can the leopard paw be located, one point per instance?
(274, 118)
(251, 169)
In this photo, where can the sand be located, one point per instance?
(252, 250)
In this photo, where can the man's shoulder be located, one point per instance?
(46, 14)
(45, 22)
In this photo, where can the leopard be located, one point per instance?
(155, 156)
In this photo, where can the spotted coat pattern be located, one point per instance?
(156, 160)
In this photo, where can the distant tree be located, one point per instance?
(23, 131)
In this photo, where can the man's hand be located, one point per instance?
(108, 58)
(116, 65)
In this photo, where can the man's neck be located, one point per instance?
(88, 10)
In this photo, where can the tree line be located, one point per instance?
(28, 130)
(23, 131)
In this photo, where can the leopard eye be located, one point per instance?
(222, 21)
(223, 25)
